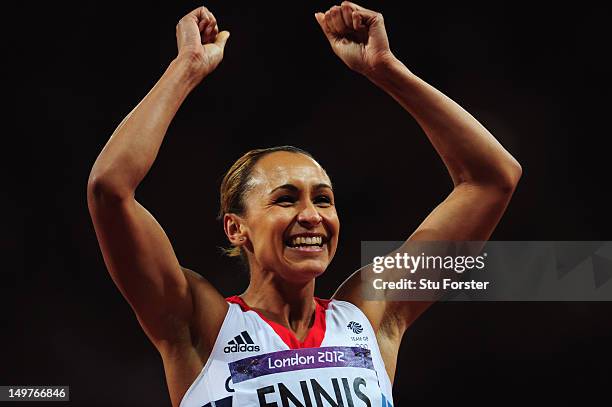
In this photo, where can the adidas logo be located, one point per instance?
(241, 343)
(355, 327)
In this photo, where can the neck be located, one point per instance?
(289, 304)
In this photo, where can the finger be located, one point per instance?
(221, 39)
(354, 6)
(330, 25)
(364, 18)
(201, 15)
(347, 14)
(203, 20)
(211, 18)
(187, 29)
(207, 36)
(209, 33)
(193, 17)
(321, 20)
(210, 15)
(337, 21)
(357, 23)
(198, 12)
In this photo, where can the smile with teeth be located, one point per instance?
(301, 241)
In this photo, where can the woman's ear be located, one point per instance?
(235, 229)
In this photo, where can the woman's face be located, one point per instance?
(291, 221)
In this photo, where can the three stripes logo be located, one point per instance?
(355, 327)
(241, 343)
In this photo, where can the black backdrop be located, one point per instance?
(534, 76)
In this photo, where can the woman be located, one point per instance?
(276, 344)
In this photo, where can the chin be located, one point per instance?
(307, 271)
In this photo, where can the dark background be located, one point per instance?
(533, 76)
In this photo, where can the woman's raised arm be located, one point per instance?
(484, 174)
(137, 252)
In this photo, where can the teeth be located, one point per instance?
(300, 240)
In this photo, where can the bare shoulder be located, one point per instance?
(183, 360)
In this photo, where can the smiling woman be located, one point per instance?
(264, 180)
(279, 212)
(276, 343)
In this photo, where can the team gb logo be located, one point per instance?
(355, 327)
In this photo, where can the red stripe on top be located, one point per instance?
(315, 334)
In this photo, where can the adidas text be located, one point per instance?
(241, 348)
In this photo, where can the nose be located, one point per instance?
(309, 216)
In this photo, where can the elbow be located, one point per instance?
(103, 189)
(511, 176)
(503, 178)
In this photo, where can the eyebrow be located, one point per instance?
(293, 188)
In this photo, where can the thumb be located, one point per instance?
(221, 39)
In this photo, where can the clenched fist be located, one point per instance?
(200, 42)
(357, 35)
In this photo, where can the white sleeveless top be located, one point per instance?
(256, 362)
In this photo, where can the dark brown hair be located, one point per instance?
(235, 185)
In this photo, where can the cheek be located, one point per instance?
(333, 221)
(279, 219)
(270, 228)
(336, 227)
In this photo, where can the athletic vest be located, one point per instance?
(256, 362)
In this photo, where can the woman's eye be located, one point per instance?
(322, 199)
(285, 199)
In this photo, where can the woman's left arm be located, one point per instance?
(484, 174)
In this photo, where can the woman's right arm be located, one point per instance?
(136, 251)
